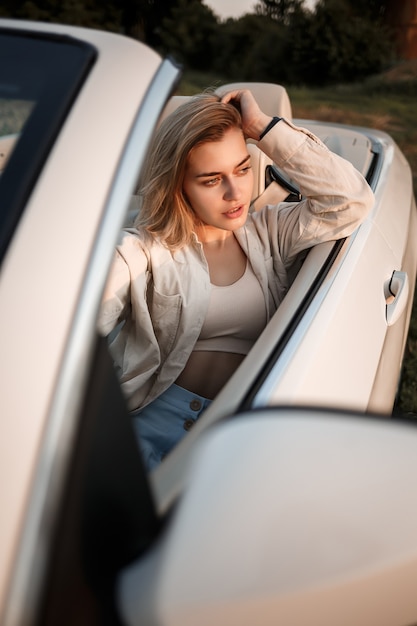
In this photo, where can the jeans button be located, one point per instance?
(188, 424)
(195, 405)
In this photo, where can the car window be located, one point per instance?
(13, 116)
(39, 78)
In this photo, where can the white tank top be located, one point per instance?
(236, 316)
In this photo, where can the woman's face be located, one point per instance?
(218, 181)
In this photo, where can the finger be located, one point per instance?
(231, 95)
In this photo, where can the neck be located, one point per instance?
(208, 235)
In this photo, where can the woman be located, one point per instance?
(197, 279)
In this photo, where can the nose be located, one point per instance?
(232, 189)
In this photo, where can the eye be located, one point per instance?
(245, 170)
(211, 182)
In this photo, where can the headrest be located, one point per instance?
(173, 103)
(273, 99)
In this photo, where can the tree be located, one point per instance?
(279, 10)
(90, 13)
(371, 9)
(251, 48)
(282, 41)
(189, 34)
(340, 45)
(143, 19)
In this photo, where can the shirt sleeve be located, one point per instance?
(129, 272)
(116, 296)
(336, 197)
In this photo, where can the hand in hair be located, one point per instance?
(254, 121)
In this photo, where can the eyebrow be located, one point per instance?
(208, 174)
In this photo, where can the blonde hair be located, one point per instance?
(165, 211)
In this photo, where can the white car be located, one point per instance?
(263, 514)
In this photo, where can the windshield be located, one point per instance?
(40, 76)
(13, 116)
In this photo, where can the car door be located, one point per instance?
(90, 101)
(347, 349)
(332, 341)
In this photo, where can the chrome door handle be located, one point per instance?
(396, 296)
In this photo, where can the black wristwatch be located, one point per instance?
(271, 124)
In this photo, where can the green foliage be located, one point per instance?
(150, 15)
(371, 9)
(281, 41)
(339, 45)
(89, 13)
(13, 115)
(238, 56)
(279, 10)
(188, 33)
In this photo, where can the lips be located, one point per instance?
(235, 212)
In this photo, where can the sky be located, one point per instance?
(236, 8)
(230, 8)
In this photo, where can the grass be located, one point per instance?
(13, 115)
(386, 102)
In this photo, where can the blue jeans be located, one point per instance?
(160, 425)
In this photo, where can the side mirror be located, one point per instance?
(291, 516)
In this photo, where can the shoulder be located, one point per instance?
(137, 241)
(136, 246)
(132, 250)
(258, 227)
(273, 221)
(265, 216)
